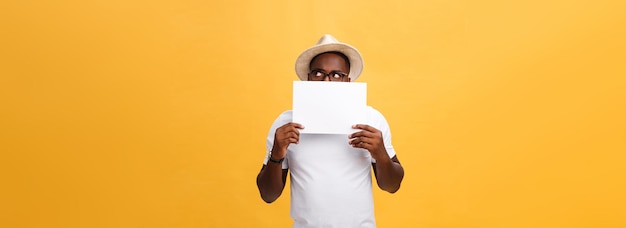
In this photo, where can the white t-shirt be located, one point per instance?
(331, 182)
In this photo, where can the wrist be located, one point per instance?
(277, 153)
(273, 158)
(383, 159)
(381, 156)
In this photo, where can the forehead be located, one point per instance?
(329, 60)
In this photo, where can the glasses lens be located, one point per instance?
(317, 75)
(336, 76)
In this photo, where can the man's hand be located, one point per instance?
(370, 139)
(388, 171)
(284, 136)
(271, 178)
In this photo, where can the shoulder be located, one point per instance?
(373, 114)
(286, 115)
(371, 110)
(376, 119)
(283, 118)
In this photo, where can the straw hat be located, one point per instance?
(328, 43)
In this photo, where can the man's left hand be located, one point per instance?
(370, 139)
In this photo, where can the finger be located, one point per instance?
(368, 140)
(290, 134)
(287, 141)
(289, 130)
(362, 134)
(296, 125)
(356, 134)
(295, 135)
(366, 146)
(354, 143)
(284, 137)
(357, 141)
(362, 144)
(283, 133)
(293, 131)
(290, 127)
(364, 127)
(296, 128)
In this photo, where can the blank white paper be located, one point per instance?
(329, 107)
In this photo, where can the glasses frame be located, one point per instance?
(313, 76)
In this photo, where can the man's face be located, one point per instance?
(329, 67)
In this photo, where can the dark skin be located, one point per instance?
(388, 171)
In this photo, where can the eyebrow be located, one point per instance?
(334, 71)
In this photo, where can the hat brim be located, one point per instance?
(304, 60)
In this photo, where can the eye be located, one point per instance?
(318, 74)
(336, 75)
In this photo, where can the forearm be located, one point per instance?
(389, 175)
(271, 181)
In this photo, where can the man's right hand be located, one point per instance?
(284, 136)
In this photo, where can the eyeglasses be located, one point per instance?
(318, 75)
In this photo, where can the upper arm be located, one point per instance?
(284, 173)
(393, 159)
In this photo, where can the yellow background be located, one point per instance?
(154, 113)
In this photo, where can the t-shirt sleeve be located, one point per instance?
(284, 118)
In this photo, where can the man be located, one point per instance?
(331, 184)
